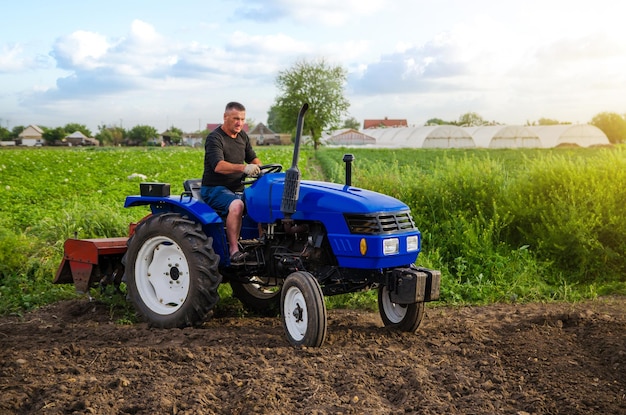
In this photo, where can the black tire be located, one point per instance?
(171, 271)
(261, 300)
(401, 317)
(303, 310)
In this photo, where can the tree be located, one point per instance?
(16, 131)
(73, 127)
(175, 135)
(110, 136)
(438, 121)
(471, 119)
(275, 123)
(547, 121)
(54, 135)
(5, 134)
(141, 135)
(351, 123)
(320, 85)
(611, 124)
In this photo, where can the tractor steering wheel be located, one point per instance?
(265, 169)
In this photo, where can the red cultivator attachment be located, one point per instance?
(90, 261)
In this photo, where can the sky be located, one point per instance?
(177, 63)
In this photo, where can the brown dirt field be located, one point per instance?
(70, 358)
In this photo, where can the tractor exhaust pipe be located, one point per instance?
(292, 175)
(348, 159)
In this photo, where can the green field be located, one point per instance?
(502, 225)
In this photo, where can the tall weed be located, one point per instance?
(572, 212)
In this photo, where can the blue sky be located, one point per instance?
(164, 63)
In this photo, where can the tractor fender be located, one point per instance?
(185, 205)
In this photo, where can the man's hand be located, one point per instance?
(252, 170)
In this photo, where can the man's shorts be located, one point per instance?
(219, 198)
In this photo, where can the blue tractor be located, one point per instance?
(319, 239)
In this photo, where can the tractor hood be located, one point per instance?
(326, 202)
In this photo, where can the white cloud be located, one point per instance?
(317, 12)
(80, 49)
(12, 59)
(330, 12)
(410, 59)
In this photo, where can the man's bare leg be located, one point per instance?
(233, 225)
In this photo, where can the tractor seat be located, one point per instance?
(193, 186)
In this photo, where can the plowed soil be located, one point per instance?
(558, 358)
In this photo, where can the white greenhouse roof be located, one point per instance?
(583, 135)
(489, 136)
(437, 136)
(504, 136)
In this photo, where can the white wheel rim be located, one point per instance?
(295, 313)
(394, 312)
(162, 275)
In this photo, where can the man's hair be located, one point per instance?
(234, 106)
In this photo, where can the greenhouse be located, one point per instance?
(582, 135)
(437, 136)
(486, 136)
(504, 136)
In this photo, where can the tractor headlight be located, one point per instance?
(391, 246)
(412, 243)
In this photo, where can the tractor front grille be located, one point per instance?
(379, 223)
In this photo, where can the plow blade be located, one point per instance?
(90, 261)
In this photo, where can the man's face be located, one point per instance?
(234, 121)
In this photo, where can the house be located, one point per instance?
(263, 136)
(193, 139)
(31, 136)
(79, 139)
(384, 123)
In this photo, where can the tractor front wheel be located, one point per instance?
(303, 310)
(172, 271)
(402, 317)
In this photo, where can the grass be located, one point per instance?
(502, 225)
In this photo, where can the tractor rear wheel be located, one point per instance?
(402, 317)
(172, 271)
(303, 310)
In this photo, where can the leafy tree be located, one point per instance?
(175, 135)
(471, 119)
(275, 123)
(73, 127)
(547, 121)
(17, 130)
(351, 123)
(612, 124)
(320, 85)
(110, 136)
(54, 135)
(5, 134)
(439, 121)
(141, 135)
